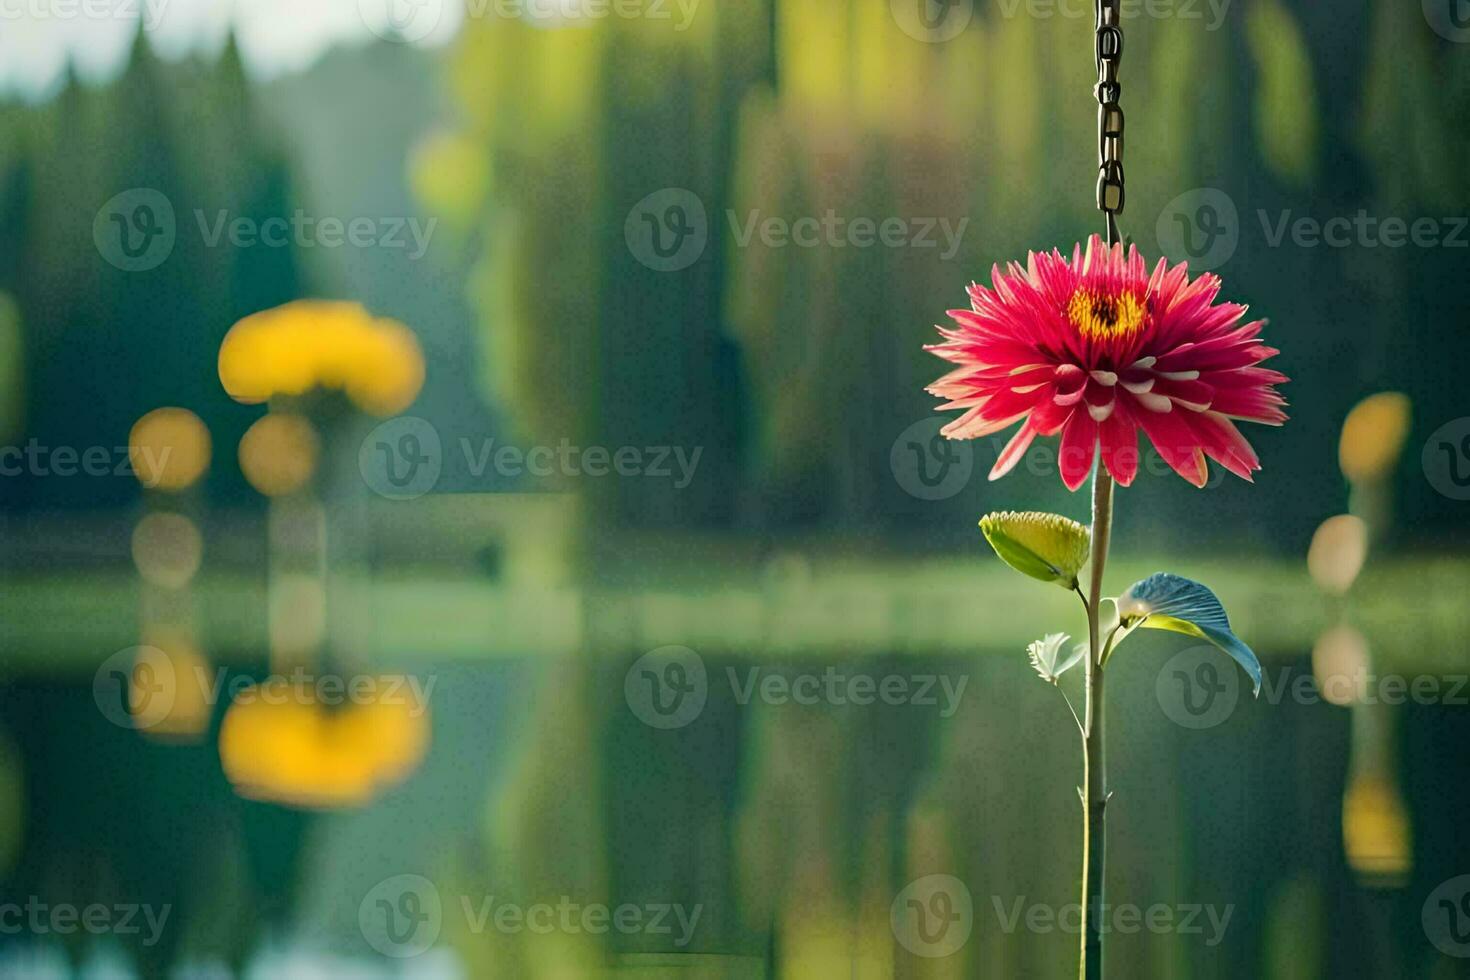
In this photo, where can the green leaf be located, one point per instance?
(1049, 660)
(1048, 547)
(1170, 602)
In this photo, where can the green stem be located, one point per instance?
(1095, 793)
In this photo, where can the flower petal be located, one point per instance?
(1118, 441)
(1014, 450)
(1177, 443)
(1079, 446)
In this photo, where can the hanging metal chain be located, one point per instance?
(1109, 50)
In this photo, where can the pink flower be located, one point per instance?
(1096, 349)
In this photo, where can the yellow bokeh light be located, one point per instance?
(1339, 548)
(168, 696)
(450, 174)
(278, 454)
(1375, 828)
(1373, 436)
(309, 344)
(169, 448)
(1340, 665)
(167, 548)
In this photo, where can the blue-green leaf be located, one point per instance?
(1170, 602)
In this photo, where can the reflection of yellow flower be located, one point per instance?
(316, 344)
(1339, 548)
(1375, 828)
(1373, 436)
(278, 453)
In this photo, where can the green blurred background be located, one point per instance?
(818, 525)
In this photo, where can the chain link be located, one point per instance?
(1108, 49)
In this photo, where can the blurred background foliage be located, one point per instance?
(793, 548)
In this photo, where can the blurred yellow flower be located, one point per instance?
(278, 743)
(309, 344)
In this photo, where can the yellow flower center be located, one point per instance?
(1100, 317)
